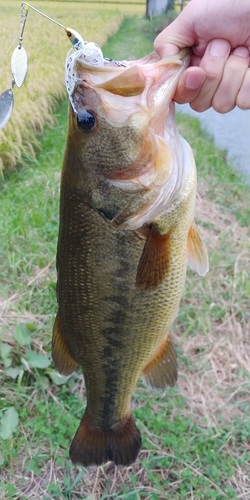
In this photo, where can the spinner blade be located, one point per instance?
(19, 65)
(6, 106)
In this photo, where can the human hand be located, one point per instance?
(219, 74)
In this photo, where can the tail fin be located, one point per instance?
(94, 446)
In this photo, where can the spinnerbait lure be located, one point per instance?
(90, 52)
(19, 69)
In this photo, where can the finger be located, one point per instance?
(243, 97)
(212, 63)
(189, 85)
(175, 37)
(166, 50)
(225, 97)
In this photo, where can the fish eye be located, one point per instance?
(86, 120)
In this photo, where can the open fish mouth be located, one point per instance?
(152, 79)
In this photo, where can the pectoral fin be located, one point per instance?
(154, 262)
(197, 253)
(63, 360)
(161, 371)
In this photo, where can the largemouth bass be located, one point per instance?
(126, 235)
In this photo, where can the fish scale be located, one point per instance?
(126, 235)
(102, 316)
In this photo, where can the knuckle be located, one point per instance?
(200, 106)
(223, 105)
(243, 97)
(243, 101)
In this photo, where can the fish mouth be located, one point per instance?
(151, 79)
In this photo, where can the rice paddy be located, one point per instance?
(46, 45)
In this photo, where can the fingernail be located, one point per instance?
(241, 51)
(219, 48)
(194, 81)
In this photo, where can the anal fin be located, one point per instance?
(197, 253)
(161, 371)
(154, 262)
(63, 360)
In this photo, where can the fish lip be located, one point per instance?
(183, 54)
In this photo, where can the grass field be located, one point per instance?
(46, 45)
(196, 437)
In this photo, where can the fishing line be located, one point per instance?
(7, 51)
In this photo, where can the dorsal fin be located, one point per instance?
(197, 252)
(129, 83)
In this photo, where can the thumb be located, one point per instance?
(173, 38)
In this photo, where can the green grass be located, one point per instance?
(29, 230)
(196, 437)
(140, 33)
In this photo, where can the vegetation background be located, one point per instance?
(196, 437)
(46, 45)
